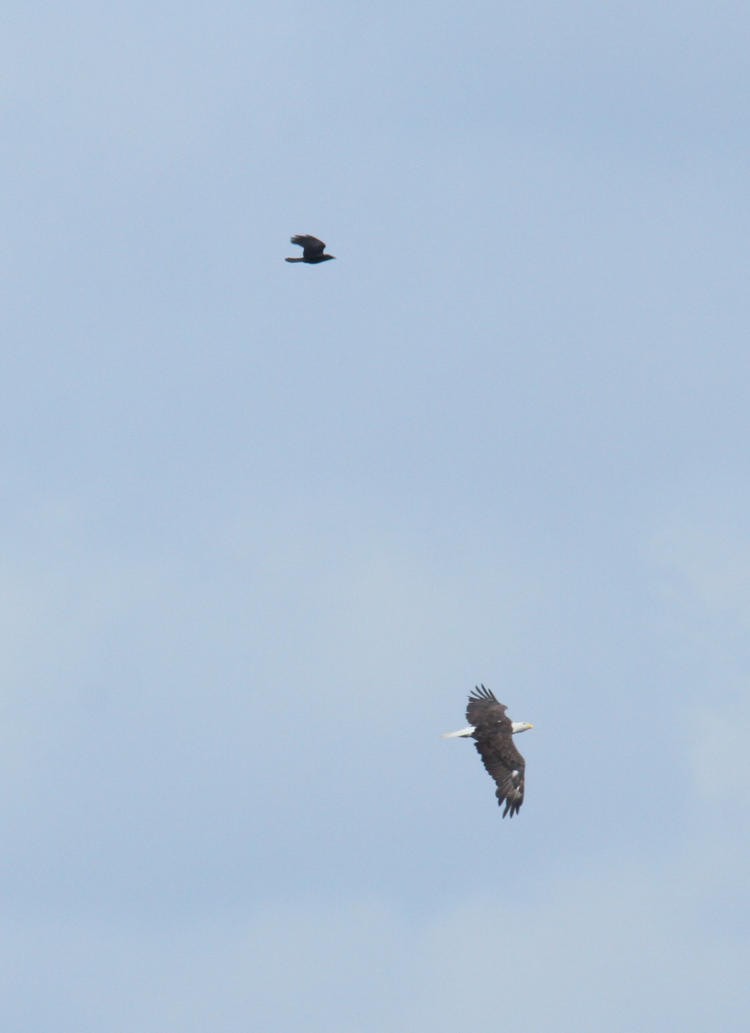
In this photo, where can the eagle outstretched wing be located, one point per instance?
(484, 709)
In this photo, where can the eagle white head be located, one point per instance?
(519, 726)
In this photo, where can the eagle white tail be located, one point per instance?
(463, 734)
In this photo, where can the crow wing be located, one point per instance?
(311, 246)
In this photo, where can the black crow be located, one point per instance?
(312, 249)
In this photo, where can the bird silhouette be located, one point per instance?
(312, 249)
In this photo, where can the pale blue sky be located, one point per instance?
(266, 525)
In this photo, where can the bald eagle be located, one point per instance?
(493, 735)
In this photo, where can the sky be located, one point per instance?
(266, 525)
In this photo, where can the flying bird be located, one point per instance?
(312, 249)
(493, 735)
